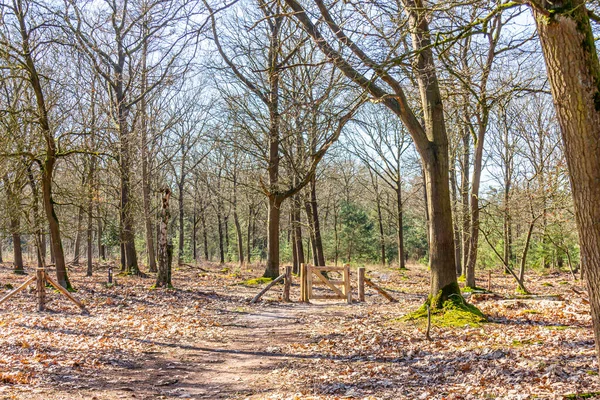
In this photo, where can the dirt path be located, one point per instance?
(236, 366)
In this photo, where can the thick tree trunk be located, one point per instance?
(441, 249)
(574, 74)
(274, 213)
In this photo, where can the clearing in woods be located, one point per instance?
(203, 340)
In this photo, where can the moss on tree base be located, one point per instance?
(448, 308)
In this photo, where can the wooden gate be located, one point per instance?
(310, 276)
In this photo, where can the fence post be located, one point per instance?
(347, 287)
(361, 284)
(41, 288)
(287, 283)
(303, 291)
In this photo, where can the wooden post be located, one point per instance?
(303, 290)
(287, 283)
(309, 283)
(489, 281)
(361, 284)
(40, 276)
(347, 287)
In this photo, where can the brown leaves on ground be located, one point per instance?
(202, 340)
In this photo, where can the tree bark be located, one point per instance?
(181, 217)
(165, 250)
(574, 74)
(77, 246)
(274, 214)
(320, 255)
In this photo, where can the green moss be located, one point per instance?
(557, 327)
(526, 342)
(563, 283)
(455, 312)
(448, 292)
(531, 311)
(474, 290)
(224, 269)
(547, 284)
(255, 281)
(522, 290)
(588, 395)
(591, 372)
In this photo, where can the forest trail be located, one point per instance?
(204, 340)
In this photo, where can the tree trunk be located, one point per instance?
(441, 249)
(298, 243)
(249, 234)
(15, 227)
(181, 220)
(204, 233)
(126, 208)
(320, 255)
(101, 248)
(38, 235)
(77, 246)
(147, 205)
(457, 247)
(574, 74)
(90, 216)
(311, 232)
(195, 234)
(220, 228)
(165, 249)
(274, 213)
(240, 239)
(474, 219)
(400, 228)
